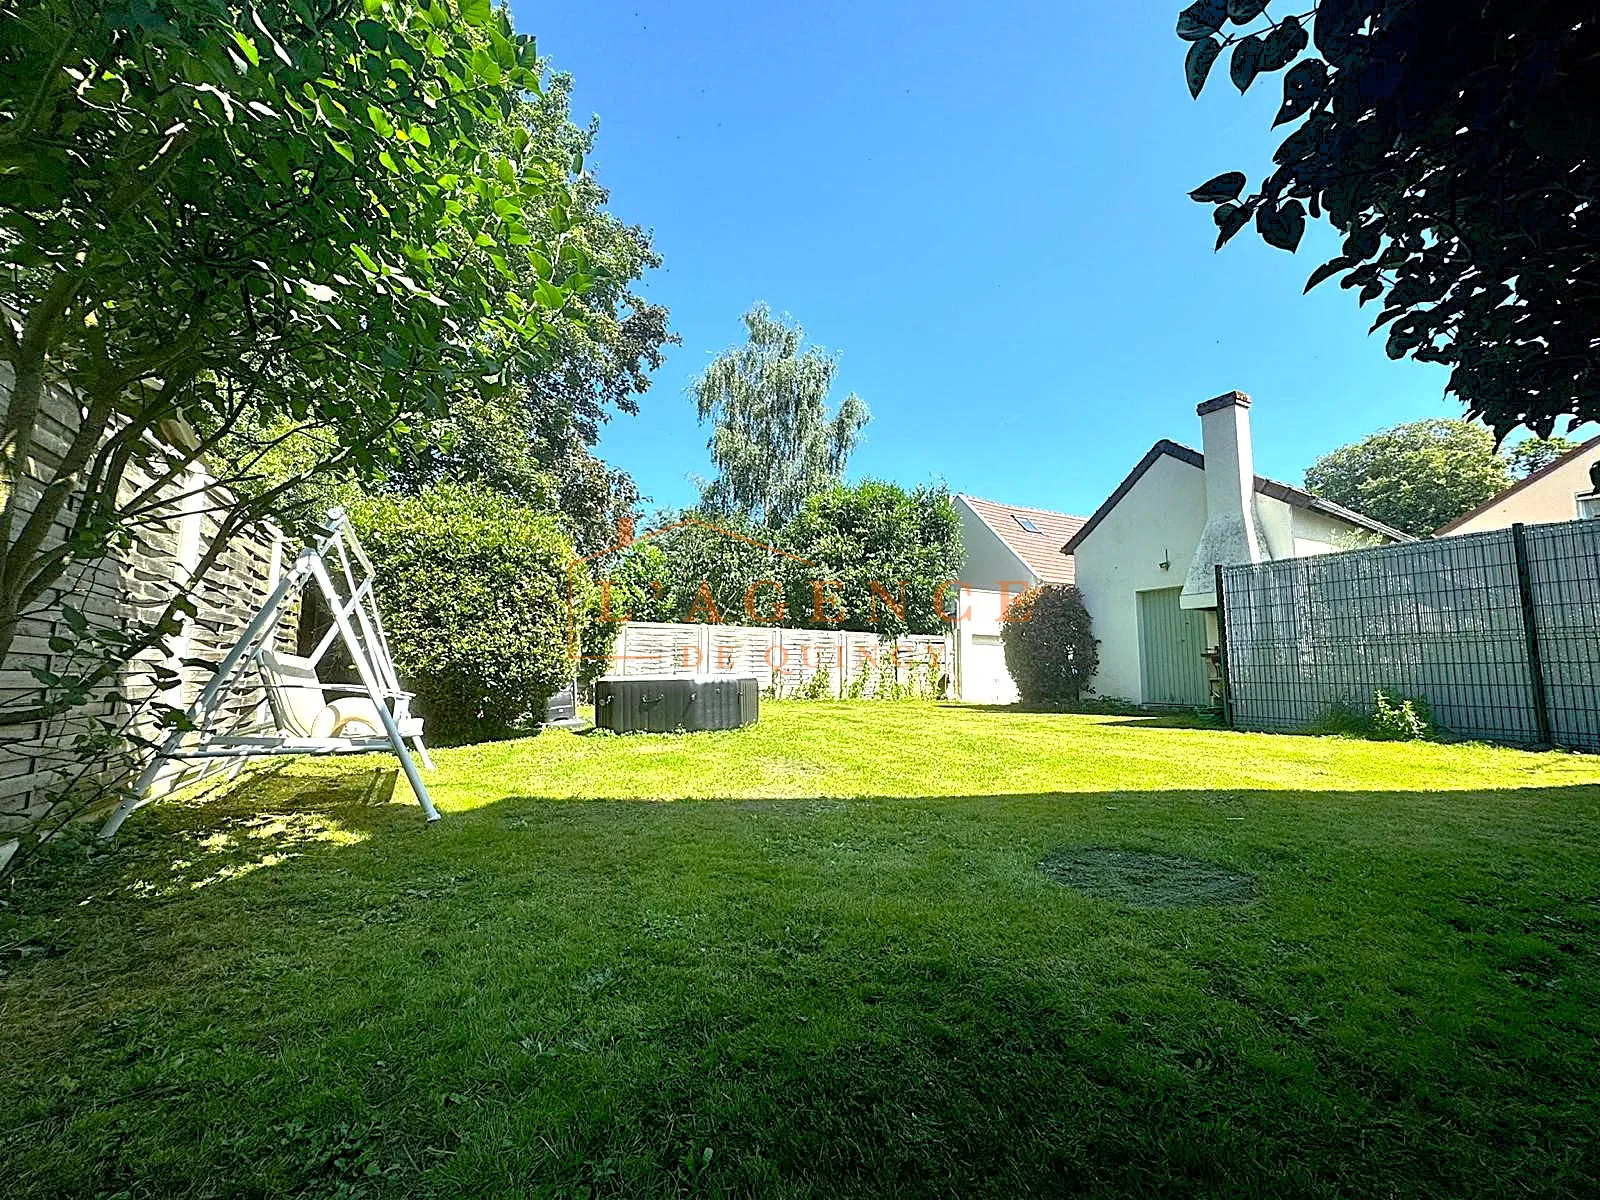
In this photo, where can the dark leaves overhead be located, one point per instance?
(1327, 271)
(1303, 86)
(1458, 157)
(1202, 19)
(1197, 64)
(1242, 12)
(1280, 47)
(1337, 21)
(1223, 187)
(1246, 63)
(1230, 219)
(1282, 225)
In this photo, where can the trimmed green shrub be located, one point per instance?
(473, 587)
(596, 635)
(1050, 648)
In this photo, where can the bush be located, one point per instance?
(596, 637)
(473, 588)
(1050, 648)
(1392, 718)
(818, 687)
(1400, 718)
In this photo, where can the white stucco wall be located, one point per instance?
(987, 562)
(1318, 533)
(992, 576)
(1161, 518)
(981, 676)
(1552, 497)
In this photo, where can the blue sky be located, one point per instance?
(983, 209)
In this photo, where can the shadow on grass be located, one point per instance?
(303, 991)
(1128, 716)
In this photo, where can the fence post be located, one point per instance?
(1222, 654)
(1530, 628)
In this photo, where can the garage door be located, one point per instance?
(1172, 640)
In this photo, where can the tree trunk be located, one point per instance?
(21, 415)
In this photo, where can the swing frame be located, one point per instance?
(344, 575)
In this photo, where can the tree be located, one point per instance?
(268, 219)
(872, 557)
(892, 552)
(1415, 477)
(534, 440)
(773, 443)
(1454, 146)
(1050, 649)
(1535, 454)
(726, 570)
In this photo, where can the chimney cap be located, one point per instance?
(1226, 400)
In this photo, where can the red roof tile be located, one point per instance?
(1042, 550)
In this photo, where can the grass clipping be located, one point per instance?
(1148, 880)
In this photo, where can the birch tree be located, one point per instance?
(774, 442)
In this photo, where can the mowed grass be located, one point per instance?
(818, 957)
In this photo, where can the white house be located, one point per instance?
(1009, 549)
(1146, 560)
(1565, 490)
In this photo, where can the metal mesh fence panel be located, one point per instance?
(1441, 620)
(1564, 581)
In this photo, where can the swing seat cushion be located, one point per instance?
(357, 717)
(301, 705)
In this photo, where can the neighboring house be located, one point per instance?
(1008, 549)
(1566, 490)
(1146, 560)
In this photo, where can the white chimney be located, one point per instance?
(1229, 536)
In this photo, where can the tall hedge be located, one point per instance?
(907, 543)
(1050, 647)
(473, 587)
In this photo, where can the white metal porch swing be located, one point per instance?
(308, 716)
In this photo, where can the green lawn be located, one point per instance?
(830, 965)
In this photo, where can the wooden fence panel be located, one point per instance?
(112, 592)
(786, 661)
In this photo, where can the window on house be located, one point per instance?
(1026, 523)
(1589, 506)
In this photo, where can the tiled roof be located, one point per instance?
(1041, 550)
(1266, 487)
(1516, 487)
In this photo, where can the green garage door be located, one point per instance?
(1171, 642)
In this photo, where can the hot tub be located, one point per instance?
(630, 704)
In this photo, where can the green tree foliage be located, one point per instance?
(1454, 146)
(890, 551)
(474, 591)
(533, 440)
(259, 218)
(1415, 477)
(1535, 454)
(826, 559)
(724, 570)
(1050, 648)
(773, 442)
